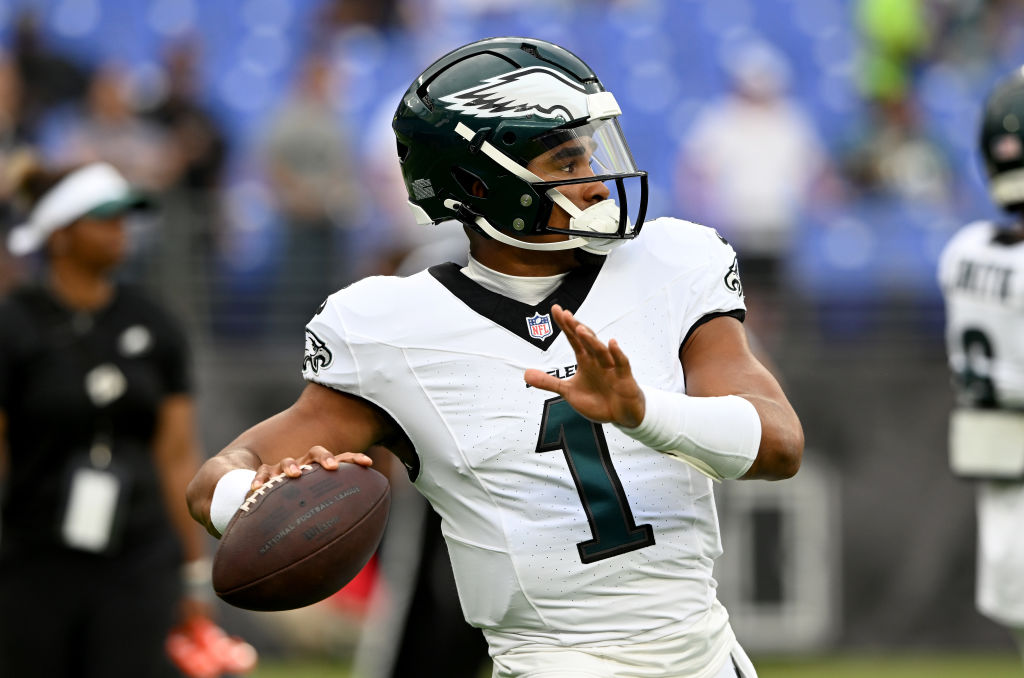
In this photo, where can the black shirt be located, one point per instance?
(69, 378)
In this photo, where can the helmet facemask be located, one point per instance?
(585, 152)
(591, 152)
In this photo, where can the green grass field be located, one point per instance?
(859, 666)
(887, 666)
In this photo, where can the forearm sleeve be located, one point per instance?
(719, 436)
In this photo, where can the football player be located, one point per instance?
(573, 482)
(981, 273)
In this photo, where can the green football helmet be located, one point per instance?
(471, 123)
(1002, 141)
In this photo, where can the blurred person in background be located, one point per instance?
(981, 273)
(199, 146)
(974, 36)
(894, 158)
(896, 36)
(107, 127)
(309, 164)
(750, 164)
(13, 142)
(339, 15)
(50, 78)
(98, 556)
(183, 249)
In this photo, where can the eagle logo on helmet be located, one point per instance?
(527, 91)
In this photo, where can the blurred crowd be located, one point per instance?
(815, 173)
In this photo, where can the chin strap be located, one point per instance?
(490, 230)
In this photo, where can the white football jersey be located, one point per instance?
(982, 281)
(560, 531)
(982, 277)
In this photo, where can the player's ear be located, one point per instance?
(478, 189)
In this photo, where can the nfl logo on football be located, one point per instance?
(540, 326)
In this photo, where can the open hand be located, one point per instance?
(603, 388)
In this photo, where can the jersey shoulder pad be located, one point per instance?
(378, 307)
(377, 295)
(968, 237)
(684, 243)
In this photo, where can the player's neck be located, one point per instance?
(521, 262)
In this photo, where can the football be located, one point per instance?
(296, 541)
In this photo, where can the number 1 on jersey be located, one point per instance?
(586, 450)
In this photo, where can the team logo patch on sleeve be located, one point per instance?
(318, 356)
(540, 326)
(732, 278)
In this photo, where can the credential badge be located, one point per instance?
(318, 356)
(540, 325)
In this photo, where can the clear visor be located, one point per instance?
(595, 152)
(600, 144)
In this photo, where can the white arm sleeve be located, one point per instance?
(719, 436)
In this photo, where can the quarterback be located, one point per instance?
(574, 483)
(981, 273)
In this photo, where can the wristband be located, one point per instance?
(229, 494)
(197, 578)
(719, 436)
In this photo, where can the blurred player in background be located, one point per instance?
(981, 273)
(97, 442)
(575, 498)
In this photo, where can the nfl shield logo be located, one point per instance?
(540, 326)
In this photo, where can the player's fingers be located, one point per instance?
(354, 458)
(290, 467)
(563, 319)
(566, 320)
(321, 455)
(543, 380)
(569, 329)
(595, 347)
(620, 359)
(264, 473)
(581, 337)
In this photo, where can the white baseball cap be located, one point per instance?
(96, 190)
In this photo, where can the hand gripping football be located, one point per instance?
(296, 541)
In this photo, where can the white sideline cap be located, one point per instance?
(96, 190)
